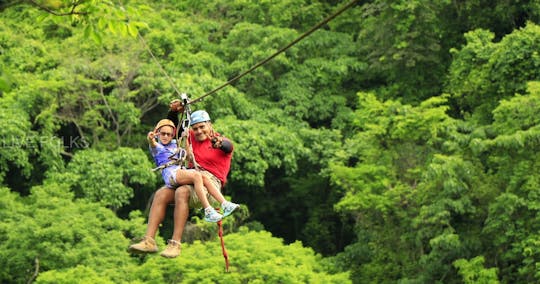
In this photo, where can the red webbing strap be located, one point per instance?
(223, 249)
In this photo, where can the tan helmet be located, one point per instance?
(165, 122)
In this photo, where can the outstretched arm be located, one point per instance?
(151, 141)
(175, 108)
(222, 143)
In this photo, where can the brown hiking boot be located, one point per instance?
(147, 245)
(172, 250)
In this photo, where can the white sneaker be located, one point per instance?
(228, 207)
(211, 215)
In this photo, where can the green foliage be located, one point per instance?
(405, 192)
(248, 44)
(402, 43)
(5, 80)
(388, 146)
(15, 135)
(255, 257)
(51, 231)
(202, 263)
(482, 72)
(289, 13)
(106, 176)
(79, 274)
(320, 97)
(345, 139)
(512, 159)
(258, 147)
(445, 196)
(93, 92)
(508, 120)
(499, 17)
(271, 256)
(473, 271)
(48, 231)
(95, 16)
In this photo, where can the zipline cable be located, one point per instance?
(141, 39)
(310, 31)
(159, 64)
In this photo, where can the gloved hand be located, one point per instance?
(176, 106)
(216, 142)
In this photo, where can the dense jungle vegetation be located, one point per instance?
(396, 144)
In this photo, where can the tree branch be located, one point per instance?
(56, 13)
(36, 271)
(111, 114)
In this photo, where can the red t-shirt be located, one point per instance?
(211, 159)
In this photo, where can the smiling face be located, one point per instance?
(165, 134)
(202, 130)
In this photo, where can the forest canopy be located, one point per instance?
(394, 144)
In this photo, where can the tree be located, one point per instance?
(49, 230)
(473, 271)
(512, 222)
(401, 174)
(483, 72)
(402, 44)
(51, 237)
(109, 177)
(14, 133)
(255, 257)
(499, 17)
(95, 16)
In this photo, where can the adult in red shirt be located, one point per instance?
(213, 154)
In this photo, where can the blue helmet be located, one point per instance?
(199, 116)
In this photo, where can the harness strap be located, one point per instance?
(172, 161)
(184, 137)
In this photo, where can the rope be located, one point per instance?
(159, 64)
(223, 249)
(310, 31)
(185, 128)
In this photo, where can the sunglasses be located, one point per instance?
(166, 134)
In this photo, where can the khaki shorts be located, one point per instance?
(194, 201)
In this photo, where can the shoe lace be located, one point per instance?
(173, 243)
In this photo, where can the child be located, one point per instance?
(175, 176)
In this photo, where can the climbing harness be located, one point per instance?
(174, 161)
(186, 122)
(180, 155)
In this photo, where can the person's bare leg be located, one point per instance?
(195, 178)
(163, 197)
(227, 207)
(212, 190)
(181, 211)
